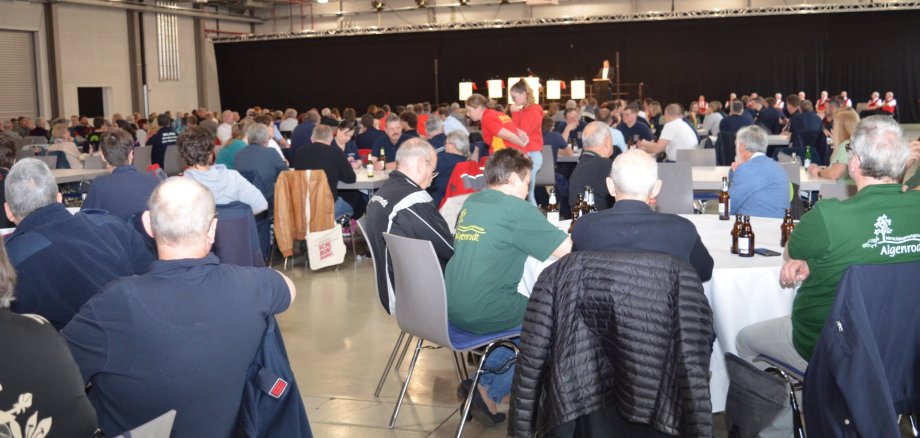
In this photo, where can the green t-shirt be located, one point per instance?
(878, 225)
(228, 153)
(841, 156)
(494, 235)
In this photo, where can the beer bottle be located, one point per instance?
(552, 210)
(576, 211)
(786, 228)
(724, 201)
(736, 230)
(589, 201)
(383, 158)
(807, 156)
(746, 239)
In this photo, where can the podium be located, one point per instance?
(601, 89)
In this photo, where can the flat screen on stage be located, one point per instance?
(578, 89)
(534, 83)
(553, 90)
(466, 90)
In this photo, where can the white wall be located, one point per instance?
(30, 17)
(181, 95)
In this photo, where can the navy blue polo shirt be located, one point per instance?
(366, 139)
(62, 260)
(179, 337)
(555, 140)
(575, 133)
(637, 128)
(411, 133)
(164, 138)
(301, 135)
(445, 167)
(733, 123)
(123, 193)
(438, 142)
(351, 149)
(388, 147)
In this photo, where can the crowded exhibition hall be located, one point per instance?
(440, 218)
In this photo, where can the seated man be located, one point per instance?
(321, 155)
(735, 120)
(434, 129)
(496, 231)
(181, 336)
(61, 259)
(455, 151)
(593, 166)
(676, 134)
(759, 186)
(631, 225)
(196, 148)
(403, 207)
(123, 193)
(571, 127)
(634, 131)
(386, 146)
(263, 165)
(369, 134)
(868, 228)
(768, 117)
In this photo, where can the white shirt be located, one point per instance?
(224, 132)
(288, 124)
(604, 73)
(274, 145)
(679, 136)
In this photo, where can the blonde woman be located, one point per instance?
(845, 121)
(61, 141)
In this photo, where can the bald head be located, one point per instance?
(180, 214)
(634, 175)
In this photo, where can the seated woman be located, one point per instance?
(40, 384)
(61, 141)
(845, 121)
(196, 148)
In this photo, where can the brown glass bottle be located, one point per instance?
(746, 239)
(786, 228)
(736, 229)
(724, 201)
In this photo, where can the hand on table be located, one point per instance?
(793, 271)
(814, 170)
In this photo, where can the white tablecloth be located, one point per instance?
(742, 290)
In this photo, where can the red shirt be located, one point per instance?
(492, 122)
(889, 105)
(822, 104)
(420, 127)
(703, 106)
(530, 120)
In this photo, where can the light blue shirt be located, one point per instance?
(618, 139)
(760, 187)
(451, 124)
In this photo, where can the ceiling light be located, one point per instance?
(377, 5)
(322, 1)
(421, 3)
(464, 2)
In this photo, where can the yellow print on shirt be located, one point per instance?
(469, 232)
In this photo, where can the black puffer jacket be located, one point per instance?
(631, 330)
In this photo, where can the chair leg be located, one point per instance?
(402, 394)
(386, 370)
(403, 354)
(458, 357)
(914, 429)
(798, 422)
(473, 387)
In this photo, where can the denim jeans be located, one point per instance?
(498, 385)
(342, 208)
(537, 158)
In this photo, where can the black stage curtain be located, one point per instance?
(677, 60)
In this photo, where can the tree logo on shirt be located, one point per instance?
(34, 428)
(891, 245)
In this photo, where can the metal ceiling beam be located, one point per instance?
(144, 7)
(561, 21)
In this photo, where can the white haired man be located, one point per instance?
(593, 166)
(631, 225)
(184, 333)
(835, 235)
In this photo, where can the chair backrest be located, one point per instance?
(142, 159)
(237, 239)
(676, 194)
(256, 180)
(50, 160)
(793, 171)
(25, 153)
(171, 163)
(422, 309)
(697, 157)
(35, 140)
(93, 162)
(783, 157)
(837, 191)
(159, 427)
(546, 174)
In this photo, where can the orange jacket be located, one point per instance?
(290, 212)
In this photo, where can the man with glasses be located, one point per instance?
(632, 130)
(403, 207)
(876, 226)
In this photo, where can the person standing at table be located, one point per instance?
(124, 192)
(404, 208)
(498, 130)
(676, 135)
(593, 166)
(528, 116)
(631, 225)
(633, 130)
(62, 259)
(496, 231)
(868, 228)
(182, 335)
(759, 186)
